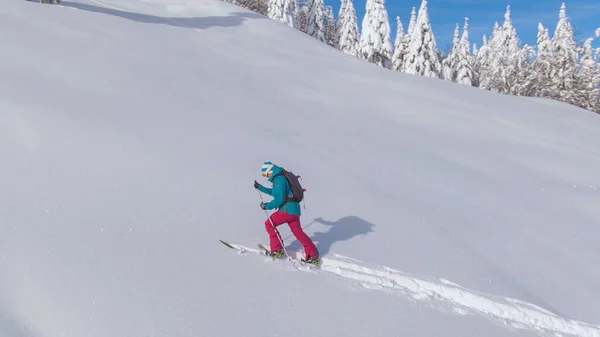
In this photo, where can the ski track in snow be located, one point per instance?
(506, 311)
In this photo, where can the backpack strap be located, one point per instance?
(287, 198)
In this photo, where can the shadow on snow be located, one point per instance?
(343, 229)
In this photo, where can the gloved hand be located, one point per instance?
(263, 205)
(256, 184)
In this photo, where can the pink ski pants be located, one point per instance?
(279, 218)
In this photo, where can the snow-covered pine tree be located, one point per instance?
(349, 41)
(464, 68)
(341, 12)
(283, 11)
(316, 19)
(375, 43)
(276, 10)
(543, 63)
(330, 31)
(565, 60)
(422, 58)
(480, 60)
(506, 69)
(399, 47)
(475, 63)
(413, 21)
(450, 63)
(411, 27)
(520, 75)
(302, 17)
(338, 23)
(490, 61)
(296, 12)
(587, 88)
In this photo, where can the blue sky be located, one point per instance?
(482, 14)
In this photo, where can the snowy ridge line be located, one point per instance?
(508, 311)
(171, 20)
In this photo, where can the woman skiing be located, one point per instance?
(288, 211)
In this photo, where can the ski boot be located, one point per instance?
(278, 254)
(311, 260)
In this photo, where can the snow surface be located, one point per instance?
(131, 133)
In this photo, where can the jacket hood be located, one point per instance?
(276, 171)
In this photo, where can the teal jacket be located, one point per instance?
(281, 189)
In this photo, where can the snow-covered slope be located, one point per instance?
(131, 133)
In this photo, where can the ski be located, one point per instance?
(262, 250)
(240, 249)
(227, 244)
